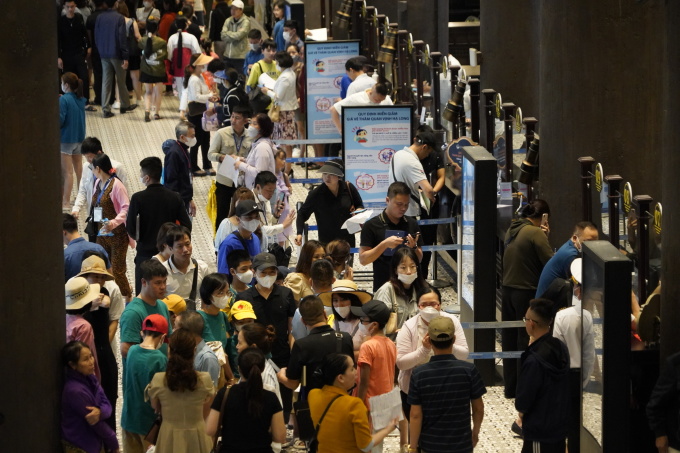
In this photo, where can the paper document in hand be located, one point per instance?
(353, 224)
(227, 169)
(425, 202)
(318, 34)
(266, 80)
(385, 408)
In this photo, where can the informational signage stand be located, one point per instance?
(371, 136)
(324, 69)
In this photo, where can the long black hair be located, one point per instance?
(181, 23)
(151, 29)
(418, 283)
(251, 364)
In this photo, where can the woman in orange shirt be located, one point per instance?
(344, 428)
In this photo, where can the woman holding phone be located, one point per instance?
(332, 203)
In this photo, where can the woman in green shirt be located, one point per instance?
(153, 67)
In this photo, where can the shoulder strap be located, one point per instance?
(351, 199)
(318, 425)
(338, 342)
(192, 294)
(219, 423)
(354, 332)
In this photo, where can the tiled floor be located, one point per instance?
(128, 139)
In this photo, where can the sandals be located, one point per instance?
(90, 108)
(147, 116)
(156, 116)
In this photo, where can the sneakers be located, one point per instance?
(116, 105)
(297, 152)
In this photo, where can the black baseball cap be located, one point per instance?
(245, 207)
(374, 309)
(264, 261)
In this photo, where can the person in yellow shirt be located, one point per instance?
(267, 65)
(344, 427)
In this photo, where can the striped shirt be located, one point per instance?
(444, 387)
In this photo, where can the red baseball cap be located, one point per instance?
(156, 323)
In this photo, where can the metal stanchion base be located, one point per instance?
(436, 283)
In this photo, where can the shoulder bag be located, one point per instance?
(217, 440)
(257, 99)
(314, 442)
(191, 301)
(274, 113)
(152, 436)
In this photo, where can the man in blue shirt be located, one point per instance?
(559, 265)
(255, 53)
(76, 247)
(243, 239)
(441, 394)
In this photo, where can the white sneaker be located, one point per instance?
(116, 105)
(297, 152)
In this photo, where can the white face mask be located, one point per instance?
(255, 47)
(286, 36)
(252, 132)
(428, 313)
(245, 277)
(142, 181)
(363, 328)
(267, 281)
(343, 311)
(147, 5)
(191, 142)
(220, 302)
(407, 278)
(262, 198)
(250, 225)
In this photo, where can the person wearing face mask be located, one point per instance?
(234, 104)
(266, 65)
(576, 331)
(290, 36)
(177, 175)
(255, 53)
(147, 10)
(399, 292)
(151, 208)
(273, 305)
(413, 348)
(298, 281)
(240, 272)
(261, 156)
(243, 238)
(341, 299)
(265, 188)
(559, 265)
(185, 273)
(215, 296)
(232, 222)
(285, 96)
(198, 95)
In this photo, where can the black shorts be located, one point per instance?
(146, 78)
(134, 63)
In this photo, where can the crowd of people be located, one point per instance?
(233, 352)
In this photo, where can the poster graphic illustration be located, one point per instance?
(325, 67)
(371, 136)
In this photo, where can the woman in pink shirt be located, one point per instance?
(110, 205)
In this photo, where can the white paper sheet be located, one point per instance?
(354, 223)
(227, 169)
(265, 80)
(385, 408)
(318, 34)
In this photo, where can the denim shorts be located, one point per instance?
(70, 148)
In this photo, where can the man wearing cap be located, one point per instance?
(176, 305)
(151, 208)
(377, 355)
(80, 297)
(441, 393)
(332, 203)
(275, 305)
(235, 37)
(406, 167)
(391, 229)
(244, 239)
(229, 141)
(142, 362)
(542, 397)
(76, 246)
(575, 331)
(148, 302)
(185, 273)
(310, 351)
(204, 359)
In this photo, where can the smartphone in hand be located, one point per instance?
(544, 220)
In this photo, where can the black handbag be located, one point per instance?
(191, 301)
(91, 227)
(196, 108)
(152, 436)
(282, 255)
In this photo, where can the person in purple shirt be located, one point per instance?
(84, 406)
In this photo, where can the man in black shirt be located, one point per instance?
(275, 305)
(95, 59)
(73, 45)
(310, 351)
(391, 229)
(149, 209)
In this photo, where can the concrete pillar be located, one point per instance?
(510, 33)
(601, 95)
(670, 194)
(32, 325)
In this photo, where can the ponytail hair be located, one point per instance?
(258, 335)
(74, 83)
(251, 364)
(181, 23)
(151, 29)
(189, 69)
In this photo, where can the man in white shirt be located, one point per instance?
(376, 95)
(181, 266)
(360, 80)
(91, 148)
(406, 167)
(576, 335)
